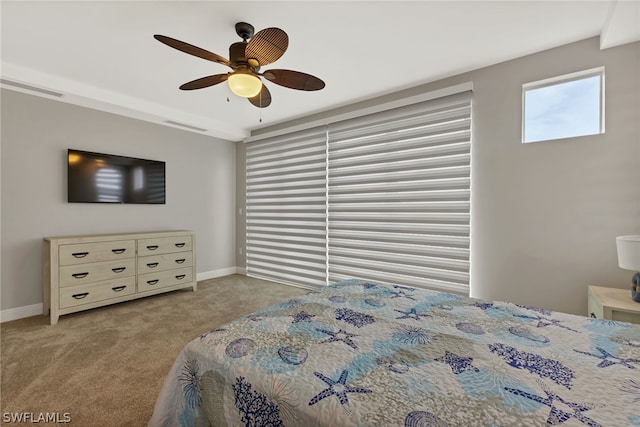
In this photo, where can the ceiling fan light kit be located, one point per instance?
(245, 59)
(244, 83)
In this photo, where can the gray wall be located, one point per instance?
(36, 133)
(544, 215)
(241, 185)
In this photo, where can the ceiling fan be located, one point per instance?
(245, 59)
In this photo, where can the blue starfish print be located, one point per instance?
(337, 388)
(341, 335)
(539, 310)
(609, 359)
(402, 294)
(411, 314)
(406, 288)
(458, 364)
(303, 316)
(483, 305)
(557, 415)
(544, 321)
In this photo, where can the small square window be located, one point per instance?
(563, 107)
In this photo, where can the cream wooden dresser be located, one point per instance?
(89, 271)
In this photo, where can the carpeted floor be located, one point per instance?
(105, 367)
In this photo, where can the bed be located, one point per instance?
(359, 353)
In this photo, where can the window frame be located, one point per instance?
(557, 80)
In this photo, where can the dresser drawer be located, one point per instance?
(71, 296)
(83, 253)
(164, 245)
(151, 281)
(71, 275)
(150, 264)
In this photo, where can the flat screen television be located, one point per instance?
(107, 178)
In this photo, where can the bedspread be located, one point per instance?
(359, 353)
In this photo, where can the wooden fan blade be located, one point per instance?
(204, 82)
(267, 45)
(263, 99)
(191, 49)
(294, 79)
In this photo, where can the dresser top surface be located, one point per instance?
(117, 236)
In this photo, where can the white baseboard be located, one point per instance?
(20, 312)
(218, 273)
(36, 309)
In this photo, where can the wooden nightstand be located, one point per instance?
(613, 304)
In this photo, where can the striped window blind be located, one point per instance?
(399, 195)
(286, 208)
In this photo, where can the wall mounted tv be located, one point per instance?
(107, 178)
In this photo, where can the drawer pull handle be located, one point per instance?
(152, 247)
(181, 276)
(118, 269)
(118, 288)
(152, 264)
(80, 296)
(118, 251)
(180, 245)
(181, 260)
(153, 282)
(80, 254)
(80, 275)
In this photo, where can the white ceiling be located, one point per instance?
(103, 54)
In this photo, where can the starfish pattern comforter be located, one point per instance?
(359, 353)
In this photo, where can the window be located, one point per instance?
(399, 195)
(383, 196)
(286, 208)
(563, 107)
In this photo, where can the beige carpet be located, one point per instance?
(105, 367)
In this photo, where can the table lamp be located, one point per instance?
(629, 259)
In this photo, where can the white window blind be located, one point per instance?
(286, 208)
(399, 195)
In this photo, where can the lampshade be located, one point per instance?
(628, 252)
(243, 83)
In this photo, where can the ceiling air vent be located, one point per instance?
(171, 122)
(31, 88)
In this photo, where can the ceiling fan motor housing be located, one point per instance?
(236, 55)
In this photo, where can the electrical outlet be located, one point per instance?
(240, 251)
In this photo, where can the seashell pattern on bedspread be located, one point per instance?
(360, 353)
